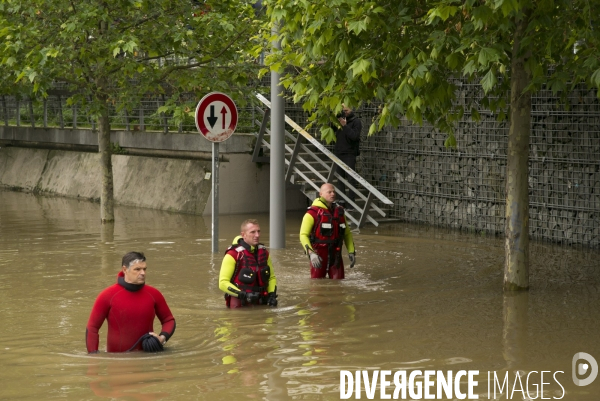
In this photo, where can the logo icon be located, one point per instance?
(580, 368)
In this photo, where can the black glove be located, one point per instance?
(252, 297)
(272, 300)
(242, 297)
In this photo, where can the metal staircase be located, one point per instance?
(310, 164)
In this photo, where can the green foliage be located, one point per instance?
(404, 55)
(117, 52)
(116, 149)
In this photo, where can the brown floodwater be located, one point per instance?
(420, 298)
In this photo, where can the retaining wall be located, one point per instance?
(159, 183)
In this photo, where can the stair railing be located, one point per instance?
(295, 158)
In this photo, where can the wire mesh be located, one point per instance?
(465, 187)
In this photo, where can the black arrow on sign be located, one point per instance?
(212, 119)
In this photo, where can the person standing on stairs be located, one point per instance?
(347, 148)
(323, 231)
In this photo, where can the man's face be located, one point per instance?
(136, 274)
(328, 193)
(251, 234)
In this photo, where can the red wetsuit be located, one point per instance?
(130, 310)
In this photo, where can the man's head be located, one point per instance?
(251, 232)
(347, 110)
(134, 267)
(327, 192)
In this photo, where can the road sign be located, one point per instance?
(216, 117)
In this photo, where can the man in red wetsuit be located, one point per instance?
(130, 307)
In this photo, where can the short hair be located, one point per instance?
(249, 221)
(132, 258)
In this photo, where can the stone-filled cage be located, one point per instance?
(464, 187)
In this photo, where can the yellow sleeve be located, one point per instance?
(272, 279)
(305, 230)
(226, 273)
(348, 240)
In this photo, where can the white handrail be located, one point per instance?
(328, 153)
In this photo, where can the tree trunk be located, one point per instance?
(106, 197)
(516, 268)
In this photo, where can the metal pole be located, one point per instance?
(31, 114)
(45, 113)
(277, 184)
(142, 127)
(60, 113)
(215, 197)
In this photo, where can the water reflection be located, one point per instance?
(128, 379)
(514, 334)
(419, 298)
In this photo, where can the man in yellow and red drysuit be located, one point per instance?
(246, 275)
(323, 231)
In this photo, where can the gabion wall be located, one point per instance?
(464, 187)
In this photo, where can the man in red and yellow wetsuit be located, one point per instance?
(322, 233)
(130, 307)
(247, 276)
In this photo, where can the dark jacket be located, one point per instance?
(348, 137)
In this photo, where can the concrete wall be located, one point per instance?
(158, 183)
(238, 143)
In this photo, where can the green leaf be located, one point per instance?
(452, 60)
(596, 78)
(360, 67)
(116, 51)
(508, 6)
(489, 80)
(404, 92)
(372, 129)
(470, 68)
(450, 141)
(488, 55)
(20, 76)
(416, 103)
(420, 71)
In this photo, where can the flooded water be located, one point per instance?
(419, 299)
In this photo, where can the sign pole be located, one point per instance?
(215, 197)
(216, 119)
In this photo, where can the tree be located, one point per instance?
(404, 54)
(113, 53)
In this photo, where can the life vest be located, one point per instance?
(252, 272)
(328, 229)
